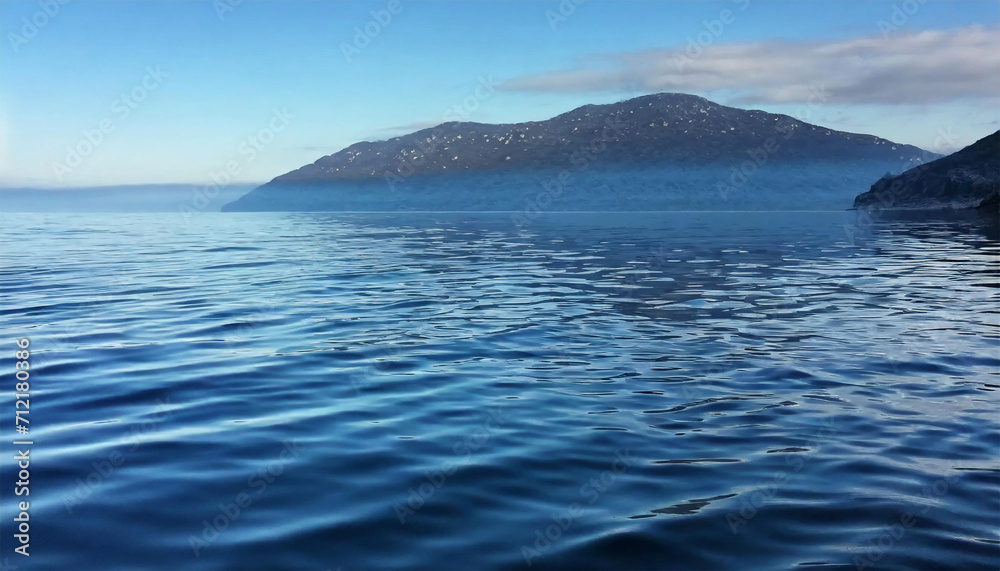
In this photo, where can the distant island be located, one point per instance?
(662, 151)
(969, 178)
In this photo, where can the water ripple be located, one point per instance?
(451, 391)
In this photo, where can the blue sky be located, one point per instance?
(216, 74)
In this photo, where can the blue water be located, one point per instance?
(454, 391)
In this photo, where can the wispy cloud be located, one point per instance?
(904, 68)
(312, 148)
(415, 126)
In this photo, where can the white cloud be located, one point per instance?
(903, 68)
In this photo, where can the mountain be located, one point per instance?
(966, 179)
(670, 142)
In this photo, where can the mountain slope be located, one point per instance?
(651, 132)
(965, 179)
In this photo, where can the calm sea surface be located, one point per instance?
(453, 391)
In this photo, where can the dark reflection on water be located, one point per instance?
(673, 391)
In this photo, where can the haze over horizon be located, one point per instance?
(274, 86)
(500, 284)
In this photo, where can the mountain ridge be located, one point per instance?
(968, 178)
(658, 130)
